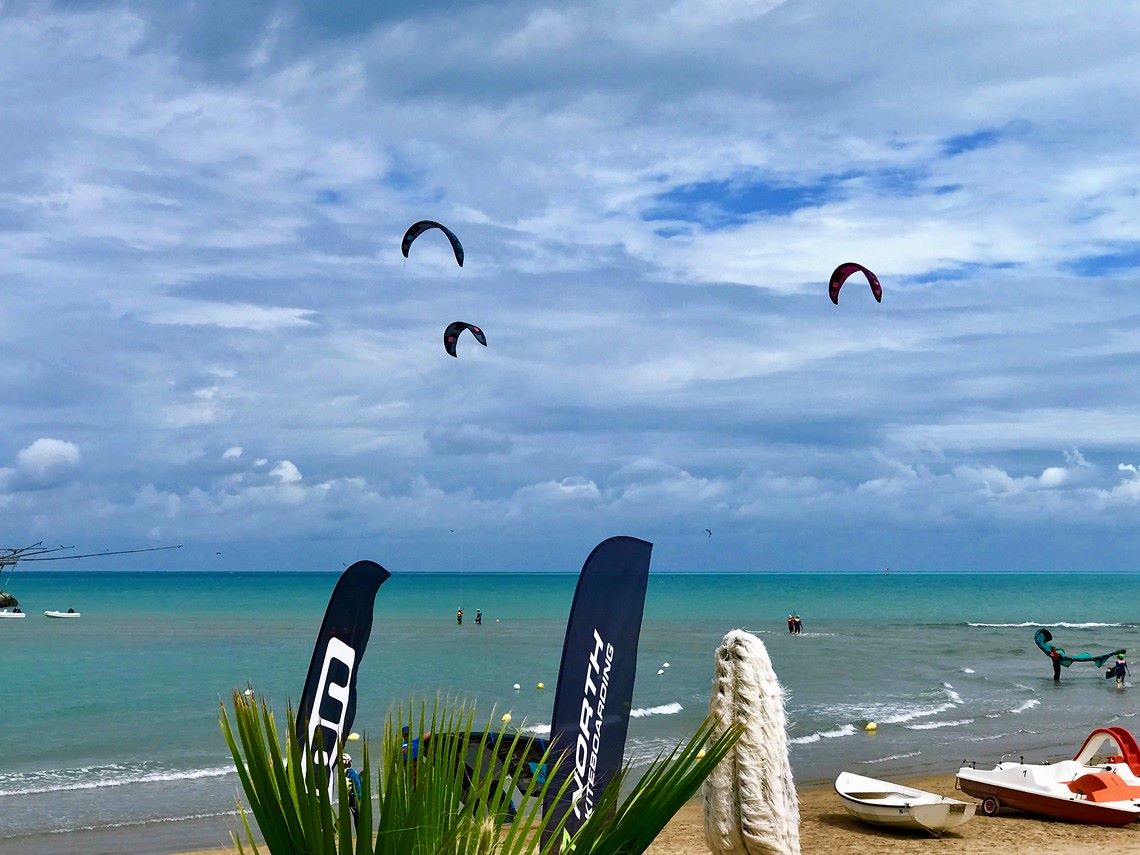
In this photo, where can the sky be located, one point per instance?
(209, 336)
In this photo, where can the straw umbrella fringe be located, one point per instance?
(750, 799)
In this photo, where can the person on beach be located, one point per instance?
(1055, 655)
(414, 745)
(459, 617)
(1120, 670)
(355, 787)
(791, 625)
(478, 616)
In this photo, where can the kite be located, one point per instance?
(840, 276)
(416, 229)
(451, 335)
(1044, 639)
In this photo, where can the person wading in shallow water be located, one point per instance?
(1055, 655)
(1120, 670)
(459, 617)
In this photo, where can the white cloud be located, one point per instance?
(286, 472)
(234, 316)
(212, 225)
(574, 488)
(45, 463)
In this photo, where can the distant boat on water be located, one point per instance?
(10, 556)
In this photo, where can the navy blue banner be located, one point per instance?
(595, 680)
(328, 703)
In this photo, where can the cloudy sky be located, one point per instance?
(208, 334)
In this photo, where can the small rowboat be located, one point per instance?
(53, 614)
(4, 613)
(893, 805)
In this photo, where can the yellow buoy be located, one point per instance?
(541, 686)
(871, 727)
(354, 737)
(506, 717)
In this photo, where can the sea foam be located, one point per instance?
(844, 730)
(108, 776)
(664, 709)
(935, 725)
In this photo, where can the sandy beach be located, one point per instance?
(825, 827)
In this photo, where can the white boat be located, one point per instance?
(68, 614)
(1107, 793)
(6, 613)
(893, 805)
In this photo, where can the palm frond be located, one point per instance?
(621, 827)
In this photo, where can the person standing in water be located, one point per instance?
(1120, 670)
(1055, 655)
(478, 616)
(799, 624)
(459, 617)
(791, 625)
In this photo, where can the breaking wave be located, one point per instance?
(98, 777)
(664, 709)
(844, 730)
(1062, 624)
(890, 758)
(935, 725)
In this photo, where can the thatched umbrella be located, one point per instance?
(750, 798)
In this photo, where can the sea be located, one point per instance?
(109, 724)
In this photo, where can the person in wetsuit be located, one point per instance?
(1055, 655)
(355, 787)
(1120, 670)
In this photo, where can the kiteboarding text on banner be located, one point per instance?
(328, 702)
(595, 680)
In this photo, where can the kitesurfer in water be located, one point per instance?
(1120, 670)
(459, 617)
(1055, 655)
(478, 616)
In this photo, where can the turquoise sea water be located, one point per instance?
(110, 722)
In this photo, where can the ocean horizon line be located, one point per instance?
(500, 572)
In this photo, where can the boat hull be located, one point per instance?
(933, 819)
(13, 615)
(1067, 809)
(896, 806)
(52, 614)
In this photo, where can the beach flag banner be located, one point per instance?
(328, 702)
(594, 695)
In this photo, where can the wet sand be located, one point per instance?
(825, 827)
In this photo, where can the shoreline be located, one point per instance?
(825, 826)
